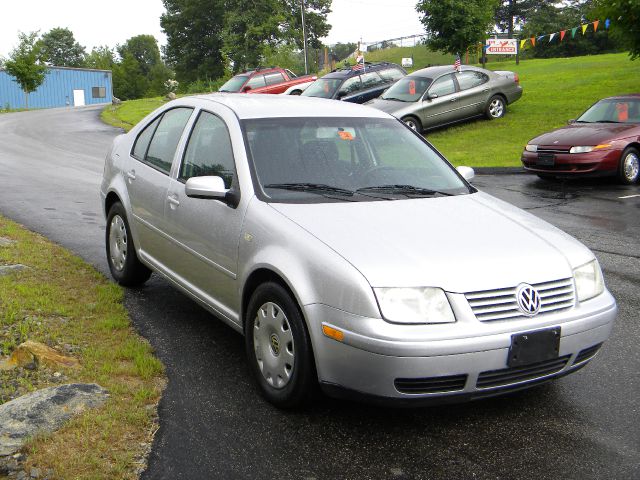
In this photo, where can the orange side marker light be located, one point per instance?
(333, 333)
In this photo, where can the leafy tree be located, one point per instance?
(625, 22)
(285, 55)
(144, 48)
(128, 80)
(516, 12)
(26, 64)
(343, 50)
(59, 48)
(315, 18)
(455, 25)
(194, 38)
(101, 58)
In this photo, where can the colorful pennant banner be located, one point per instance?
(563, 33)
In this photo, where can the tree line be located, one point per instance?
(454, 26)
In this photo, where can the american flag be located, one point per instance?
(457, 64)
(359, 63)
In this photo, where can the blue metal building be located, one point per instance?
(62, 87)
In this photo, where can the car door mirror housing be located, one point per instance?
(246, 88)
(467, 173)
(572, 121)
(206, 187)
(341, 95)
(432, 96)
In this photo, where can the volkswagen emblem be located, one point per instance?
(528, 299)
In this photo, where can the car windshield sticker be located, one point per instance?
(412, 87)
(623, 112)
(345, 135)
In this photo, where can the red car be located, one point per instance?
(265, 80)
(604, 140)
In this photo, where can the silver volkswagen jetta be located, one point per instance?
(348, 251)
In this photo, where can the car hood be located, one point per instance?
(393, 107)
(583, 134)
(461, 244)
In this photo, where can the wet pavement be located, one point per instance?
(215, 425)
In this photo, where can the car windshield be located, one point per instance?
(613, 110)
(234, 84)
(323, 88)
(304, 160)
(407, 89)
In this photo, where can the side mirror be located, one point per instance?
(246, 89)
(572, 121)
(206, 187)
(432, 96)
(467, 173)
(341, 95)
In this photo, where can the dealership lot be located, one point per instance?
(213, 422)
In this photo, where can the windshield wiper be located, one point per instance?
(310, 187)
(607, 121)
(394, 98)
(404, 190)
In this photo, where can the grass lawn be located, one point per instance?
(555, 90)
(63, 302)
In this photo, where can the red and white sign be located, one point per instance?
(502, 46)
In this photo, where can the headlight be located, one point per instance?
(414, 305)
(531, 148)
(589, 281)
(587, 149)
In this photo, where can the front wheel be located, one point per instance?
(413, 123)
(629, 169)
(296, 92)
(495, 108)
(278, 346)
(124, 264)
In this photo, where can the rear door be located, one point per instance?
(372, 86)
(147, 176)
(474, 92)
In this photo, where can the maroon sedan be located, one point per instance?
(604, 140)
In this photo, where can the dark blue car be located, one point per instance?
(356, 84)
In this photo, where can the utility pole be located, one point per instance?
(304, 38)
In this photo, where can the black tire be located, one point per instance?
(296, 92)
(413, 123)
(545, 176)
(125, 267)
(272, 312)
(629, 166)
(496, 108)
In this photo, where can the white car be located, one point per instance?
(348, 252)
(297, 89)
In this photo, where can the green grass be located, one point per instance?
(63, 302)
(555, 90)
(422, 56)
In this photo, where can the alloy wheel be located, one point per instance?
(631, 166)
(496, 108)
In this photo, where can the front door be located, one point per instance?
(78, 98)
(206, 231)
(440, 102)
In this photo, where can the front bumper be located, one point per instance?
(602, 162)
(425, 371)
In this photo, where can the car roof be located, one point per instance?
(248, 106)
(433, 72)
(350, 72)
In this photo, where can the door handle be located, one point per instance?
(453, 99)
(485, 90)
(131, 174)
(173, 200)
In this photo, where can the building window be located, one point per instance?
(98, 92)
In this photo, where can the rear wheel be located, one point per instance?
(629, 168)
(296, 92)
(495, 108)
(278, 346)
(413, 123)
(123, 262)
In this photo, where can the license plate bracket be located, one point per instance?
(546, 159)
(534, 347)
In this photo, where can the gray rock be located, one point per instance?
(171, 96)
(116, 101)
(44, 411)
(35, 473)
(5, 242)
(7, 269)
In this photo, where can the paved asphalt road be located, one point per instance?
(215, 425)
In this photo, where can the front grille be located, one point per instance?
(501, 304)
(507, 376)
(553, 150)
(431, 385)
(587, 353)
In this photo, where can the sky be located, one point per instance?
(109, 23)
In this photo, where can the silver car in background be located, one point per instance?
(348, 252)
(438, 96)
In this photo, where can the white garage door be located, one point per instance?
(78, 98)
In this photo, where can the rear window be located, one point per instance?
(273, 78)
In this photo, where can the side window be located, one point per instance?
(350, 85)
(469, 79)
(143, 140)
(209, 150)
(370, 80)
(166, 137)
(443, 86)
(273, 78)
(391, 74)
(256, 82)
